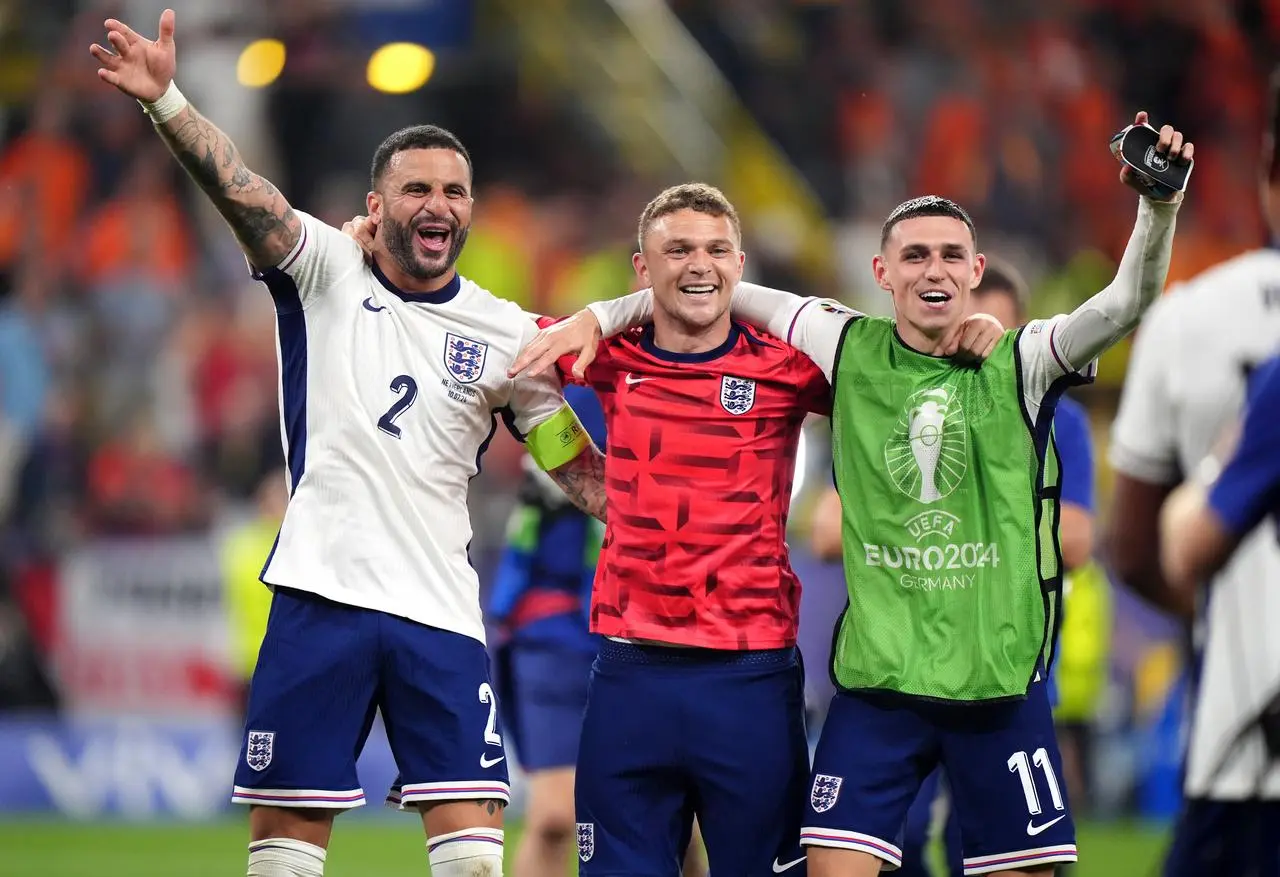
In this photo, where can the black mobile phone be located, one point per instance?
(1136, 147)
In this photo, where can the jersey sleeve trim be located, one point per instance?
(796, 319)
(286, 263)
(557, 440)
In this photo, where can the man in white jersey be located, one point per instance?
(392, 374)
(1185, 384)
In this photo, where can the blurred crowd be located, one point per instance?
(137, 359)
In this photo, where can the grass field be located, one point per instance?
(369, 847)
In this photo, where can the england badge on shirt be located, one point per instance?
(464, 358)
(737, 395)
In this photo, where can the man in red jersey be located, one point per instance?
(696, 703)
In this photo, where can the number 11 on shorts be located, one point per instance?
(1020, 764)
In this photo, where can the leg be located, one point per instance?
(872, 758)
(631, 794)
(548, 840)
(749, 759)
(441, 715)
(310, 708)
(1005, 773)
(917, 829)
(544, 694)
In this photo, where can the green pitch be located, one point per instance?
(363, 847)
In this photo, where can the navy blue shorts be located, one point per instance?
(1002, 766)
(1225, 837)
(670, 733)
(543, 690)
(323, 670)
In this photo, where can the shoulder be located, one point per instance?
(495, 315)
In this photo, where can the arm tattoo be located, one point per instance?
(582, 480)
(261, 218)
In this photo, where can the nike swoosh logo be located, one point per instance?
(369, 306)
(631, 379)
(778, 869)
(1033, 829)
(485, 761)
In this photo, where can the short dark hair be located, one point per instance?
(699, 197)
(415, 137)
(927, 205)
(1001, 278)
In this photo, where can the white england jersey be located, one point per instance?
(1185, 384)
(387, 401)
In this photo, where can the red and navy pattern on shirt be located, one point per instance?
(700, 463)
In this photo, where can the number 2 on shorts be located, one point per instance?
(491, 735)
(1021, 765)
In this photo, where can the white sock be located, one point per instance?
(285, 857)
(472, 852)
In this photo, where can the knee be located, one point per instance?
(552, 825)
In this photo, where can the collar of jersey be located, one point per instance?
(905, 346)
(647, 344)
(439, 297)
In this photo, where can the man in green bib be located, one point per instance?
(949, 486)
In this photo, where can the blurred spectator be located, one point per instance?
(244, 552)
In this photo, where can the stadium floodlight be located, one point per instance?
(399, 68)
(261, 63)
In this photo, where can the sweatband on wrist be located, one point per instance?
(165, 107)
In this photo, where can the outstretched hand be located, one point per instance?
(577, 335)
(1172, 145)
(139, 67)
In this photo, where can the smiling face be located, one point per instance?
(929, 266)
(423, 203)
(692, 261)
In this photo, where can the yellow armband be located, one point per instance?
(557, 440)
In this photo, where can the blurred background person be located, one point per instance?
(244, 551)
(1185, 387)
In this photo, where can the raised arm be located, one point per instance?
(1098, 324)
(1091, 329)
(264, 224)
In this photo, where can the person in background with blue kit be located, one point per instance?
(540, 601)
(1004, 295)
(1203, 525)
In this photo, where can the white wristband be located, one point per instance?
(166, 106)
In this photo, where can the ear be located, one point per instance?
(373, 204)
(979, 266)
(880, 270)
(642, 270)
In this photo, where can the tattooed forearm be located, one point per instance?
(582, 480)
(257, 212)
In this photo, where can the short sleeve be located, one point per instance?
(322, 256)
(1143, 437)
(534, 400)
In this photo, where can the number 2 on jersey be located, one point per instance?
(1021, 765)
(407, 387)
(491, 735)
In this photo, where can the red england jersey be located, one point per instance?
(701, 455)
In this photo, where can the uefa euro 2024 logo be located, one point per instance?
(927, 454)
